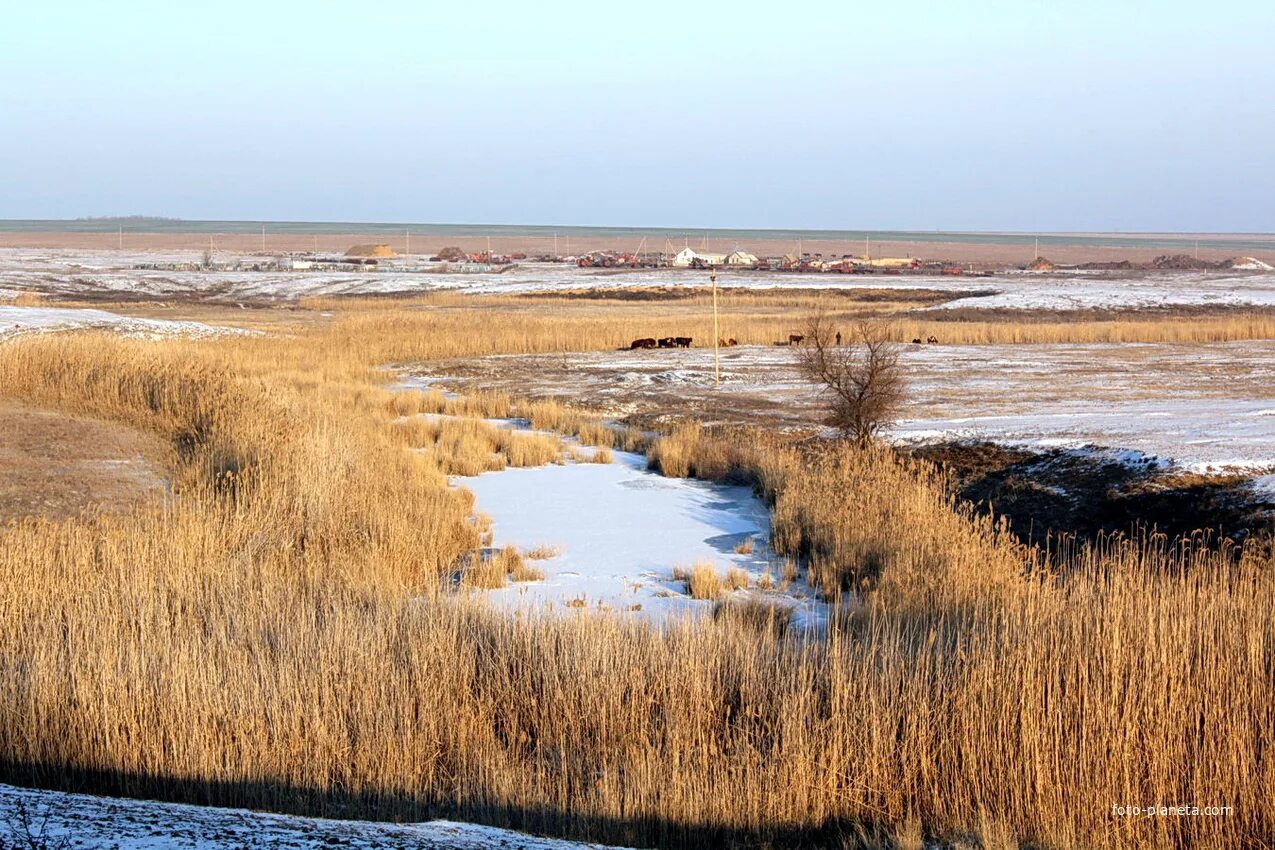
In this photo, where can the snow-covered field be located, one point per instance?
(15, 320)
(1203, 407)
(111, 274)
(621, 530)
(52, 819)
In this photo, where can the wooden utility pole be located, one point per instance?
(121, 237)
(717, 335)
(407, 235)
(263, 239)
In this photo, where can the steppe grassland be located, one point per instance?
(279, 635)
(754, 317)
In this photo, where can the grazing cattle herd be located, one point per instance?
(685, 341)
(662, 342)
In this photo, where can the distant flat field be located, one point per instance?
(1206, 407)
(990, 249)
(109, 275)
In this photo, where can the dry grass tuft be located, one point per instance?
(754, 614)
(527, 572)
(543, 552)
(745, 546)
(737, 579)
(703, 581)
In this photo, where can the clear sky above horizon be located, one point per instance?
(1029, 116)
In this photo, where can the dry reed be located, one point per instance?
(278, 636)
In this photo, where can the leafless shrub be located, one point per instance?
(30, 828)
(861, 380)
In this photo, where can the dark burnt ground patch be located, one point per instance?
(1088, 493)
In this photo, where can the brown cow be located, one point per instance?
(933, 340)
(682, 341)
(795, 339)
(732, 341)
(667, 342)
(645, 342)
(916, 341)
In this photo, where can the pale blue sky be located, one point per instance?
(1031, 116)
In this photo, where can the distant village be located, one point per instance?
(372, 257)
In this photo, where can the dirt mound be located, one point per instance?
(1185, 262)
(1040, 264)
(1251, 264)
(452, 254)
(378, 250)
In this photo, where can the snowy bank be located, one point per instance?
(14, 320)
(31, 818)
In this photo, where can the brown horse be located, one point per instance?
(645, 342)
(795, 339)
(682, 341)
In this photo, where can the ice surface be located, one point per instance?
(621, 530)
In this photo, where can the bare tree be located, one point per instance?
(862, 380)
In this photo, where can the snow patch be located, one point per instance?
(14, 320)
(110, 823)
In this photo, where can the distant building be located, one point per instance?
(740, 258)
(688, 257)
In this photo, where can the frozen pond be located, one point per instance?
(621, 530)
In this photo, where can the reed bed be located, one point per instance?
(279, 635)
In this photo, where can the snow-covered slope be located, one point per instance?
(22, 319)
(30, 818)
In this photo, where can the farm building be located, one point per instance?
(740, 258)
(377, 250)
(894, 263)
(688, 257)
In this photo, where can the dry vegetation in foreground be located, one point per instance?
(279, 635)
